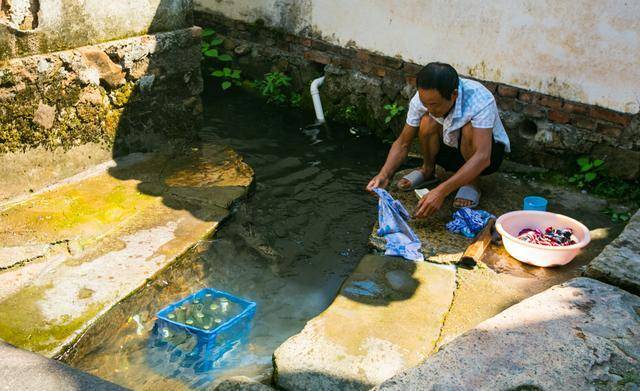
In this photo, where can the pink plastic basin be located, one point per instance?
(510, 224)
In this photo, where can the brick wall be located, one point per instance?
(545, 130)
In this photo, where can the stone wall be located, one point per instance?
(545, 130)
(41, 26)
(136, 94)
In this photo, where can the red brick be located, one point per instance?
(509, 104)
(534, 111)
(392, 62)
(376, 59)
(365, 67)
(347, 52)
(323, 46)
(316, 56)
(575, 108)
(411, 69)
(610, 130)
(491, 86)
(379, 71)
(583, 122)
(508, 91)
(610, 115)
(343, 62)
(362, 55)
(411, 80)
(550, 101)
(528, 97)
(559, 117)
(306, 42)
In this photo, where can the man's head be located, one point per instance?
(438, 87)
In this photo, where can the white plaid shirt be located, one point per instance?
(475, 103)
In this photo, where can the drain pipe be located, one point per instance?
(317, 104)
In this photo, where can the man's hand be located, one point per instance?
(379, 180)
(430, 203)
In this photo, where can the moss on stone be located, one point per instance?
(23, 324)
(6, 78)
(121, 96)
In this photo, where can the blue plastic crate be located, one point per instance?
(205, 346)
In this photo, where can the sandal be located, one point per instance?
(417, 180)
(469, 193)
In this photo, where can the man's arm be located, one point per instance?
(481, 159)
(397, 155)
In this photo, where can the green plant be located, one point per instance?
(212, 51)
(617, 217)
(229, 76)
(296, 99)
(589, 172)
(348, 114)
(274, 87)
(393, 110)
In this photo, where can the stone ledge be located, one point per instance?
(120, 228)
(619, 263)
(22, 370)
(582, 334)
(386, 318)
(65, 111)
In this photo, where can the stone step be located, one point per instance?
(71, 253)
(579, 335)
(619, 262)
(387, 317)
(22, 370)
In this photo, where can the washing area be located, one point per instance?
(184, 208)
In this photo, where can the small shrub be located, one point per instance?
(393, 110)
(589, 172)
(348, 114)
(617, 217)
(212, 53)
(276, 88)
(296, 99)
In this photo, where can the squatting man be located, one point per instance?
(458, 128)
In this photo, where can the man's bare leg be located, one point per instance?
(467, 150)
(429, 137)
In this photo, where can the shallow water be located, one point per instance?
(288, 247)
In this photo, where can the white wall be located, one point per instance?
(587, 51)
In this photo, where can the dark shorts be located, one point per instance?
(451, 159)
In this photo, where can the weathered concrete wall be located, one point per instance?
(41, 26)
(62, 111)
(585, 53)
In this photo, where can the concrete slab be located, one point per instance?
(73, 252)
(619, 263)
(387, 317)
(580, 335)
(22, 370)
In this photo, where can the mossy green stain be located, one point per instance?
(73, 125)
(23, 324)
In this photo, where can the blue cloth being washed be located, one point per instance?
(393, 227)
(469, 222)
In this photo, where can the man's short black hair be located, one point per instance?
(439, 76)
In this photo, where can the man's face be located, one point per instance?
(435, 103)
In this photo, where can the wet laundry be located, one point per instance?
(469, 222)
(549, 237)
(392, 222)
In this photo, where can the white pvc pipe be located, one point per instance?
(315, 95)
